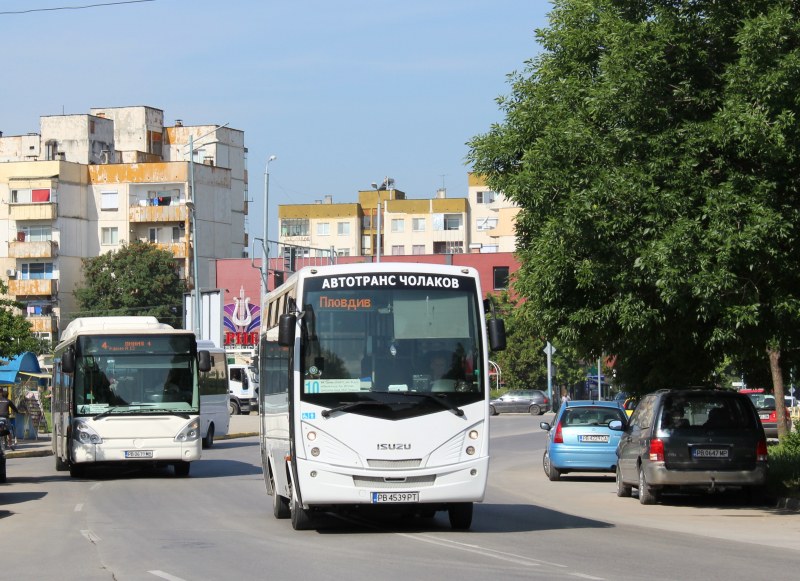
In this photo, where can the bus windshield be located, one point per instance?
(134, 381)
(402, 340)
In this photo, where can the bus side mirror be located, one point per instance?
(204, 360)
(497, 334)
(68, 361)
(286, 328)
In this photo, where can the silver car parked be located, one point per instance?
(532, 401)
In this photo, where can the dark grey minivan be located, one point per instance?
(695, 438)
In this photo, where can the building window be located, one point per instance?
(452, 222)
(37, 233)
(482, 224)
(294, 227)
(342, 252)
(323, 229)
(500, 277)
(30, 196)
(109, 236)
(418, 249)
(343, 228)
(398, 250)
(398, 225)
(109, 201)
(450, 247)
(37, 271)
(152, 235)
(489, 248)
(366, 242)
(366, 222)
(177, 234)
(486, 197)
(418, 224)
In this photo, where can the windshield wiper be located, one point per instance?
(345, 406)
(440, 399)
(178, 413)
(101, 415)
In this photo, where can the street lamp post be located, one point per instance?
(265, 241)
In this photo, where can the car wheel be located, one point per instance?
(77, 470)
(208, 441)
(552, 473)
(460, 515)
(3, 471)
(492, 411)
(622, 489)
(647, 495)
(535, 410)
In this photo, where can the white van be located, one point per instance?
(214, 397)
(243, 388)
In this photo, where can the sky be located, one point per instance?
(343, 93)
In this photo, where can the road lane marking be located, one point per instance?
(90, 536)
(584, 576)
(78, 507)
(95, 486)
(500, 555)
(166, 576)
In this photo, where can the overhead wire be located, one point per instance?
(81, 7)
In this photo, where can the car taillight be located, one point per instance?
(656, 450)
(773, 417)
(546, 400)
(761, 451)
(558, 437)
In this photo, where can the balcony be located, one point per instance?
(43, 323)
(38, 249)
(178, 249)
(38, 211)
(154, 214)
(33, 288)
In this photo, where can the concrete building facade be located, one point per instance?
(89, 183)
(385, 222)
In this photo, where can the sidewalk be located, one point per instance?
(240, 427)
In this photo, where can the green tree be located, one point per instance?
(137, 279)
(653, 148)
(15, 331)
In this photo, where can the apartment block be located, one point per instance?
(86, 184)
(386, 222)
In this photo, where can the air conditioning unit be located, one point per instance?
(11, 272)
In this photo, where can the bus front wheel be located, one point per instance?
(460, 514)
(208, 441)
(280, 504)
(182, 469)
(301, 518)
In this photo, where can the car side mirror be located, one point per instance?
(545, 426)
(616, 425)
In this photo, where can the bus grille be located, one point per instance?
(384, 483)
(395, 464)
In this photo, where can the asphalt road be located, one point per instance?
(218, 524)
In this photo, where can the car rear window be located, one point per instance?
(706, 410)
(590, 416)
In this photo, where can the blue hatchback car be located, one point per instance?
(583, 438)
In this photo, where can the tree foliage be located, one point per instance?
(523, 363)
(653, 148)
(15, 331)
(137, 279)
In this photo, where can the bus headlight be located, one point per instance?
(85, 434)
(190, 432)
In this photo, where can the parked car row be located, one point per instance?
(675, 439)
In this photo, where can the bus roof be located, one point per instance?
(89, 325)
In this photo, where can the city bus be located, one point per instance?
(352, 414)
(125, 390)
(215, 416)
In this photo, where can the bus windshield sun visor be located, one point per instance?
(346, 406)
